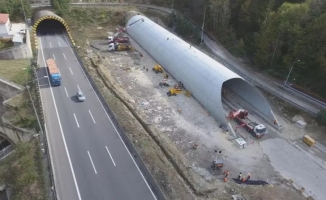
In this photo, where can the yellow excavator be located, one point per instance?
(159, 69)
(175, 91)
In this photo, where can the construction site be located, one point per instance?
(234, 128)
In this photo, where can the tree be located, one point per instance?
(16, 9)
(61, 6)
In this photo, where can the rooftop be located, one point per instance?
(3, 18)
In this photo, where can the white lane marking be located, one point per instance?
(89, 155)
(50, 44)
(53, 57)
(66, 91)
(61, 130)
(92, 116)
(59, 71)
(76, 120)
(112, 123)
(70, 70)
(110, 155)
(64, 55)
(59, 43)
(78, 88)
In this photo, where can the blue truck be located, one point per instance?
(54, 74)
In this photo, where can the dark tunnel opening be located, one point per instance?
(50, 27)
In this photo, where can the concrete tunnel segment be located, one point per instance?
(201, 75)
(42, 15)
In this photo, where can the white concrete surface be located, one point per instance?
(292, 162)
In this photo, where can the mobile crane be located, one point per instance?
(241, 117)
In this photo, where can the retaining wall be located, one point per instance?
(9, 89)
(20, 52)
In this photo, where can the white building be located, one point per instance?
(4, 25)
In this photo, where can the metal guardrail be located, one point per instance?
(44, 139)
(309, 98)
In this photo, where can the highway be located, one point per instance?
(89, 159)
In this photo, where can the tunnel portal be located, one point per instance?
(46, 22)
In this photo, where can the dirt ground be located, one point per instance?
(176, 124)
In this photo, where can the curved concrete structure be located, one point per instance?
(42, 15)
(200, 74)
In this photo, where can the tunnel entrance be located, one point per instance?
(48, 23)
(50, 27)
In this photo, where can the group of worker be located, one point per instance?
(240, 176)
(243, 178)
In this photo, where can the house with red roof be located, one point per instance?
(4, 24)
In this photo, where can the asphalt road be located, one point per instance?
(90, 161)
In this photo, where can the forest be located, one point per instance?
(271, 35)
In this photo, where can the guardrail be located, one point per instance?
(43, 129)
(310, 98)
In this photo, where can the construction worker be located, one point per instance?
(239, 176)
(226, 173)
(248, 176)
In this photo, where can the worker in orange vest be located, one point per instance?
(248, 176)
(226, 173)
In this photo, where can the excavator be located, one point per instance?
(175, 91)
(159, 69)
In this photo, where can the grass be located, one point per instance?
(16, 71)
(22, 114)
(85, 24)
(22, 170)
(5, 45)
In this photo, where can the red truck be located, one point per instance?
(111, 39)
(241, 117)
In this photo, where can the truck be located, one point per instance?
(111, 39)
(54, 74)
(119, 47)
(241, 117)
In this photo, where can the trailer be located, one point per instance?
(54, 74)
(241, 117)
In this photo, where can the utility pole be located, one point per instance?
(286, 81)
(202, 27)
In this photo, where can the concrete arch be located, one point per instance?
(42, 15)
(199, 73)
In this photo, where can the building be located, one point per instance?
(200, 74)
(4, 25)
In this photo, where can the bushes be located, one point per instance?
(321, 117)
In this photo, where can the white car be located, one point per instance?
(80, 96)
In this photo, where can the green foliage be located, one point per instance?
(22, 170)
(61, 7)
(6, 44)
(321, 117)
(16, 8)
(185, 28)
(274, 33)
